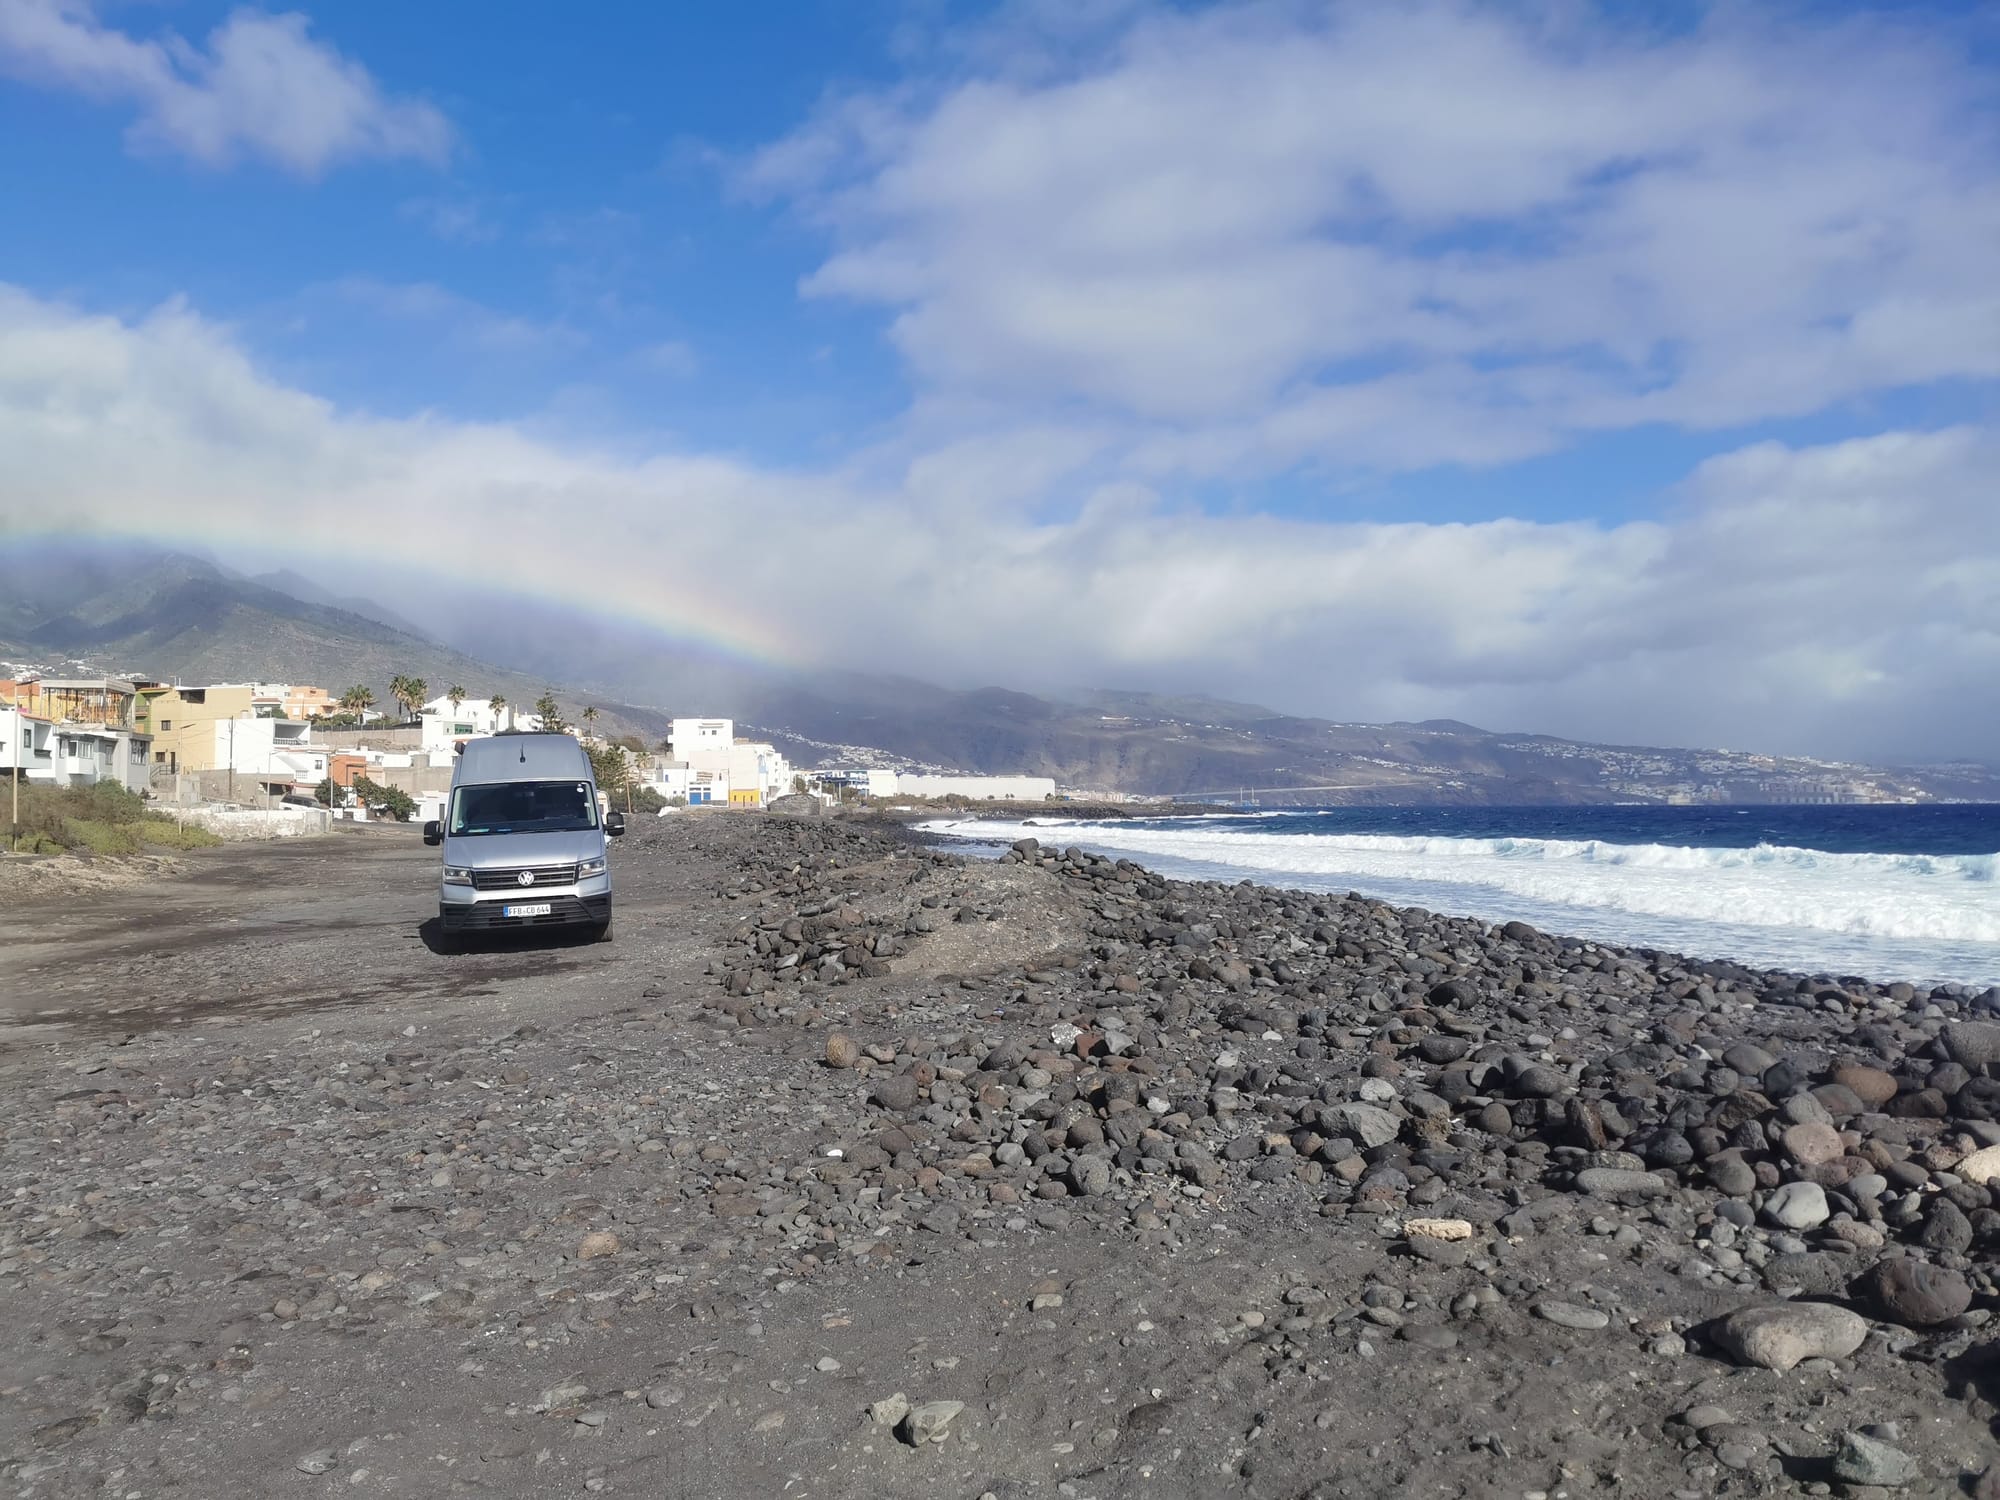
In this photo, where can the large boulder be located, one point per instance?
(1972, 1044)
(1778, 1337)
(1917, 1293)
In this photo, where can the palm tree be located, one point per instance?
(456, 695)
(496, 704)
(399, 689)
(416, 687)
(357, 700)
(589, 720)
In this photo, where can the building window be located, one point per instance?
(165, 725)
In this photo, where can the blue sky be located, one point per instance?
(1245, 327)
(586, 196)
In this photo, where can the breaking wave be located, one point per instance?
(1924, 903)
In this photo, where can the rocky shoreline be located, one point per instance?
(898, 1172)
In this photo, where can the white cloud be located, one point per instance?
(1396, 236)
(1837, 598)
(260, 87)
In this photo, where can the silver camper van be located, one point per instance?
(524, 842)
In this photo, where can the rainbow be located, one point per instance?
(625, 591)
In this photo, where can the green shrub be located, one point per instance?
(101, 819)
(398, 803)
(164, 833)
(104, 838)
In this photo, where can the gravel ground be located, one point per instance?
(851, 1168)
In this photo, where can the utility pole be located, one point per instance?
(232, 757)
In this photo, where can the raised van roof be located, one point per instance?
(520, 757)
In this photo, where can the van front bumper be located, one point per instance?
(565, 909)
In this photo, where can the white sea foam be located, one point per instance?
(1945, 908)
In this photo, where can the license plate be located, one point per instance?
(537, 909)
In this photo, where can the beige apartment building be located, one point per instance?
(226, 725)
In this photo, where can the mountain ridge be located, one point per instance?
(129, 606)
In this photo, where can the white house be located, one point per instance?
(667, 777)
(27, 742)
(85, 754)
(691, 739)
(445, 726)
(72, 754)
(254, 746)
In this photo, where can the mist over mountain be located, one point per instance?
(129, 607)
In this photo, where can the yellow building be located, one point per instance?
(746, 797)
(184, 720)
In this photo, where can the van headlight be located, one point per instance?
(590, 867)
(457, 875)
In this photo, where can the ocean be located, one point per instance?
(1886, 893)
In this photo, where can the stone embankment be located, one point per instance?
(910, 1174)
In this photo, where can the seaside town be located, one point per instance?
(259, 746)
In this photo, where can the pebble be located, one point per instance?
(1369, 1124)
(1438, 1229)
(1797, 1205)
(1865, 1460)
(1569, 1315)
(1982, 1166)
(928, 1422)
(1621, 1184)
(1812, 1143)
(842, 1051)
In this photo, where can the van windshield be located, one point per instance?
(523, 807)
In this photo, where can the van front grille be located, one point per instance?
(510, 879)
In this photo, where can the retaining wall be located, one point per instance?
(258, 823)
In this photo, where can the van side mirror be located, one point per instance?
(434, 832)
(614, 824)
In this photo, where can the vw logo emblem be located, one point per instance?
(526, 877)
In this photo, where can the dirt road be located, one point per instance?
(293, 1204)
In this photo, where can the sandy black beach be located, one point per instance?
(858, 1168)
